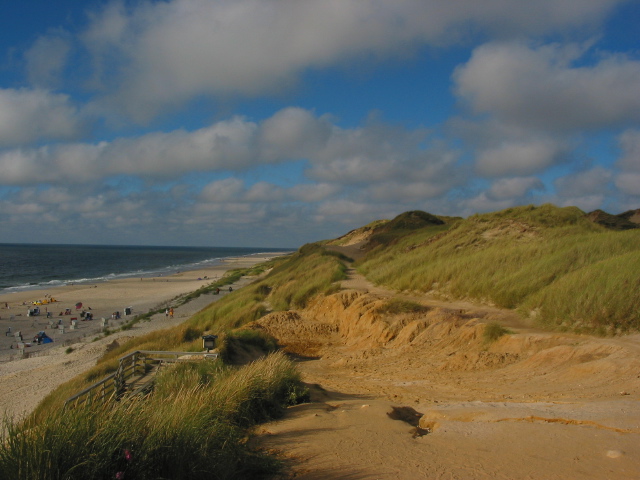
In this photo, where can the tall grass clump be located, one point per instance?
(397, 306)
(493, 331)
(237, 342)
(194, 426)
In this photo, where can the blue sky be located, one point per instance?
(279, 122)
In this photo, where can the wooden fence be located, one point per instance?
(135, 374)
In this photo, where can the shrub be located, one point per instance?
(396, 306)
(493, 331)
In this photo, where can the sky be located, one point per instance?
(274, 123)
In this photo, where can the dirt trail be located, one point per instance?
(423, 395)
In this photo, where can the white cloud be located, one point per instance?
(407, 192)
(586, 203)
(264, 192)
(294, 132)
(46, 59)
(630, 145)
(373, 153)
(629, 183)
(519, 157)
(586, 183)
(153, 56)
(30, 115)
(628, 178)
(544, 88)
(483, 203)
(222, 191)
(509, 188)
(311, 193)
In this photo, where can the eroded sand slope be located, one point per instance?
(423, 395)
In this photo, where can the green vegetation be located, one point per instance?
(396, 306)
(243, 342)
(196, 422)
(493, 331)
(571, 273)
(194, 425)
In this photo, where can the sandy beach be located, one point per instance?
(24, 382)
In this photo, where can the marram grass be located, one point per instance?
(191, 427)
(550, 262)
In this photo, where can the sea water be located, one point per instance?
(31, 266)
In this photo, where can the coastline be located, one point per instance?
(24, 382)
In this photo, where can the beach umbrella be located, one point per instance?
(78, 305)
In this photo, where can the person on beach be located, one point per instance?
(171, 312)
(166, 313)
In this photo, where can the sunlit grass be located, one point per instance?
(550, 260)
(192, 426)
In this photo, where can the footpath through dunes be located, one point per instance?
(424, 393)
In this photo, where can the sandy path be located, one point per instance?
(25, 382)
(572, 412)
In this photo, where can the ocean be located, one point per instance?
(31, 266)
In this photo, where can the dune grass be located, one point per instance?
(552, 261)
(193, 426)
(493, 331)
(397, 306)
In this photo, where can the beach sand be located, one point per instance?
(24, 382)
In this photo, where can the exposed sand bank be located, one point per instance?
(422, 396)
(25, 382)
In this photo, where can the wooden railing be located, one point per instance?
(131, 372)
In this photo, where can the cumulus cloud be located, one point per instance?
(30, 115)
(547, 88)
(628, 177)
(629, 183)
(313, 193)
(590, 182)
(630, 145)
(153, 56)
(519, 157)
(483, 203)
(294, 132)
(373, 153)
(510, 188)
(46, 59)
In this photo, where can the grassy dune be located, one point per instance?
(549, 262)
(193, 426)
(196, 422)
